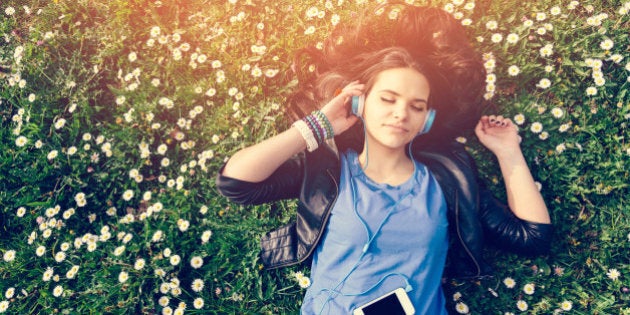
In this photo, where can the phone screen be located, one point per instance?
(387, 305)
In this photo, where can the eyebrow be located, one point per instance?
(417, 100)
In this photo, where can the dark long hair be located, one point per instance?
(432, 42)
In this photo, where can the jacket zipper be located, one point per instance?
(325, 221)
(459, 235)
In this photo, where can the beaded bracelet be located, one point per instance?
(307, 134)
(315, 129)
(327, 126)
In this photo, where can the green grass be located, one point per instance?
(142, 101)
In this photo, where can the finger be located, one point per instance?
(505, 122)
(491, 122)
(484, 121)
(339, 106)
(348, 92)
(353, 86)
(500, 121)
(508, 122)
(481, 125)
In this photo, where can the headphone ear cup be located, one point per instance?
(428, 121)
(358, 102)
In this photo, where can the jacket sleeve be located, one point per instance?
(284, 183)
(509, 232)
(501, 226)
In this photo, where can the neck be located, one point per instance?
(384, 165)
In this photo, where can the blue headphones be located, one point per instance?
(358, 103)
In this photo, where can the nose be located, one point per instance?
(400, 111)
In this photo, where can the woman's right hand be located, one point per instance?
(257, 162)
(338, 109)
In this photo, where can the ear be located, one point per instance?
(358, 103)
(428, 121)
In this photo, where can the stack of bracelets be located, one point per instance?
(315, 129)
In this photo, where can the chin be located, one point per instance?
(396, 145)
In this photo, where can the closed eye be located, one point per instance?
(388, 100)
(418, 108)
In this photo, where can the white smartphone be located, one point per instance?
(396, 302)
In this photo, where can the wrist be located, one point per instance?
(315, 129)
(510, 157)
(307, 134)
(506, 151)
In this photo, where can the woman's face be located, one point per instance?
(396, 107)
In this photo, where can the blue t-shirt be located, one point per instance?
(405, 229)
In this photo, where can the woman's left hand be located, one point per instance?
(498, 134)
(501, 137)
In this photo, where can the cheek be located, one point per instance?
(372, 108)
(420, 120)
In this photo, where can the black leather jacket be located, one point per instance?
(473, 212)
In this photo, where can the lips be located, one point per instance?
(397, 128)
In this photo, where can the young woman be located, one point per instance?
(384, 193)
